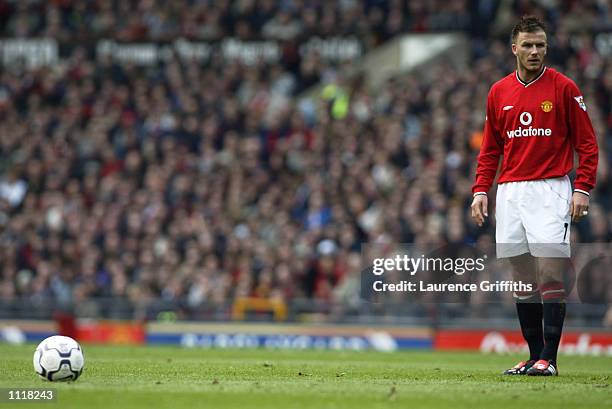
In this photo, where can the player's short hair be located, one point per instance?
(527, 24)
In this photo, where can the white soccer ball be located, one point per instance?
(59, 359)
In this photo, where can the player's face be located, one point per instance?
(530, 49)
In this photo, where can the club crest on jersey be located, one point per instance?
(580, 102)
(546, 106)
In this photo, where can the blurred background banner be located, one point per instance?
(382, 338)
(303, 336)
(92, 331)
(224, 163)
(595, 343)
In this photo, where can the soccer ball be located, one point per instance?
(59, 359)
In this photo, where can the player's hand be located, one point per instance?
(480, 204)
(579, 206)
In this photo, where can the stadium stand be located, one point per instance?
(195, 183)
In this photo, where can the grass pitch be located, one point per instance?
(165, 377)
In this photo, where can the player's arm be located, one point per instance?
(585, 144)
(488, 160)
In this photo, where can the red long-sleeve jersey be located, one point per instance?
(536, 126)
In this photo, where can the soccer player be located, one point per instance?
(536, 119)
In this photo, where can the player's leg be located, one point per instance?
(529, 310)
(551, 272)
(511, 243)
(547, 223)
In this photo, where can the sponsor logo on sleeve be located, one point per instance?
(580, 102)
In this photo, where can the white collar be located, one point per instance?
(526, 84)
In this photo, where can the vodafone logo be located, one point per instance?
(525, 118)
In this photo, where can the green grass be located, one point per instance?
(165, 377)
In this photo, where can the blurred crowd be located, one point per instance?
(208, 20)
(202, 183)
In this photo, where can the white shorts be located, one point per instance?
(533, 217)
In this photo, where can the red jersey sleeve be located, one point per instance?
(491, 149)
(582, 137)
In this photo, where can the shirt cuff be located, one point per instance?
(584, 192)
(479, 194)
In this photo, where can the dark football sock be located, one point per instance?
(529, 309)
(553, 295)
